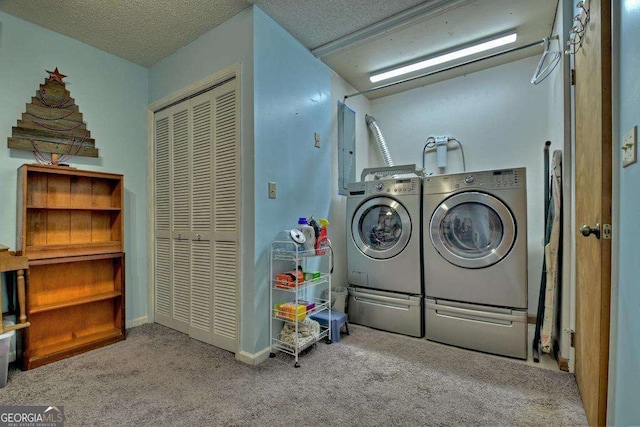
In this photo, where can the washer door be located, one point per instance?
(472, 230)
(381, 228)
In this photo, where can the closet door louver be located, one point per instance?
(226, 216)
(197, 177)
(181, 224)
(201, 219)
(162, 174)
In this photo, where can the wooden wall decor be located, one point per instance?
(52, 123)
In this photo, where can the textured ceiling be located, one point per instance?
(145, 31)
(316, 23)
(141, 31)
(466, 23)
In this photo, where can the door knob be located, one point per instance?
(586, 230)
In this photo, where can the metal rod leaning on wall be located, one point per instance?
(452, 67)
(543, 278)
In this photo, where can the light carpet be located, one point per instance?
(161, 377)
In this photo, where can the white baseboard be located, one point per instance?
(253, 358)
(136, 322)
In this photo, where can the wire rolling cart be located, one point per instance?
(315, 292)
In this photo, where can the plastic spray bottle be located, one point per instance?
(322, 242)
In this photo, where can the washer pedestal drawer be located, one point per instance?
(387, 311)
(489, 329)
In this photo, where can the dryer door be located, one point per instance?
(473, 230)
(381, 227)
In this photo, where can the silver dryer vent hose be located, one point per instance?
(382, 144)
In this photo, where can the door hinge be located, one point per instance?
(606, 231)
(573, 77)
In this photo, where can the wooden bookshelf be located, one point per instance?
(69, 212)
(71, 227)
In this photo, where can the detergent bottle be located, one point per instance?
(309, 234)
(322, 242)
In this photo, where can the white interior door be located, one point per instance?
(162, 219)
(180, 215)
(201, 277)
(226, 218)
(197, 175)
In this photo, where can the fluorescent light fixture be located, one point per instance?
(447, 57)
(632, 4)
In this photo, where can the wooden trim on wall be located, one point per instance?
(563, 364)
(151, 191)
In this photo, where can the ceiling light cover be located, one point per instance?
(632, 4)
(447, 57)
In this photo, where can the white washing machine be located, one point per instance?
(383, 255)
(475, 260)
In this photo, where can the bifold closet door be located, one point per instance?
(197, 175)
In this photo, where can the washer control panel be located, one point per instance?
(490, 180)
(394, 187)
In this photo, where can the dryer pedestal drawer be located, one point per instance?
(490, 329)
(386, 310)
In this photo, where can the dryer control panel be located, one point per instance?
(489, 180)
(394, 187)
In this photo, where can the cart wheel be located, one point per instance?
(272, 355)
(329, 341)
(297, 365)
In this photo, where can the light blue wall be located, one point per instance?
(112, 96)
(292, 101)
(627, 374)
(285, 94)
(338, 213)
(227, 44)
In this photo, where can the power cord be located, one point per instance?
(431, 142)
(464, 163)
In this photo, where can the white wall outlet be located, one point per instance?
(630, 147)
(272, 190)
(316, 136)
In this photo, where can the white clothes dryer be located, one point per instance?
(475, 260)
